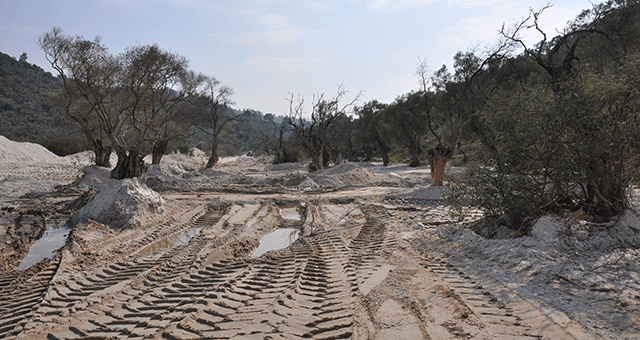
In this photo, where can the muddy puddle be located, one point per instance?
(54, 238)
(278, 239)
(176, 240)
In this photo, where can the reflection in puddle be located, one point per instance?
(176, 240)
(278, 239)
(46, 247)
(291, 214)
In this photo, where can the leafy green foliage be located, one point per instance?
(517, 197)
(566, 136)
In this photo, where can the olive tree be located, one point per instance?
(568, 132)
(215, 114)
(313, 132)
(372, 130)
(136, 100)
(89, 75)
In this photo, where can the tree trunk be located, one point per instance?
(414, 150)
(368, 153)
(102, 155)
(316, 151)
(439, 156)
(606, 189)
(384, 153)
(316, 162)
(326, 156)
(159, 149)
(130, 165)
(213, 160)
(415, 159)
(337, 156)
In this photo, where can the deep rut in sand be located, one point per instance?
(353, 276)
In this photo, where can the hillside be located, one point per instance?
(26, 111)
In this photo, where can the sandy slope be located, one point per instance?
(379, 257)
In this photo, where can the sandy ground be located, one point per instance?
(378, 256)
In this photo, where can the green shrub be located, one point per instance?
(519, 199)
(288, 154)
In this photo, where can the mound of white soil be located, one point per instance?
(92, 177)
(15, 152)
(345, 175)
(571, 267)
(286, 167)
(122, 203)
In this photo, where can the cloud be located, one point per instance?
(281, 65)
(273, 29)
(274, 20)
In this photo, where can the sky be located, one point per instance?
(266, 50)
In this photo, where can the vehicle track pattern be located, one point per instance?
(500, 311)
(20, 294)
(305, 291)
(311, 290)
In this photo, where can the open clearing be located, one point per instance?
(375, 254)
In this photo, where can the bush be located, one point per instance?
(518, 199)
(289, 154)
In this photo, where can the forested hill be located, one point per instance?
(26, 112)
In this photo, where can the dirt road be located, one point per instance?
(364, 266)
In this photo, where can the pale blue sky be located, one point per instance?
(267, 49)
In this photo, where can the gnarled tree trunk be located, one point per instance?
(439, 156)
(130, 165)
(159, 149)
(102, 155)
(606, 189)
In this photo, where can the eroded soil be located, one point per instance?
(368, 264)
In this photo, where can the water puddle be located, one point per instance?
(46, 247)
(176, 240)
(291, 214)
(278, 239)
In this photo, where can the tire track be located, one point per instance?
(501, 312)
(77, 294)
(309, 290)
(19, 296)
(305, 291)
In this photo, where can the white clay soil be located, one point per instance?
(374, 254)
